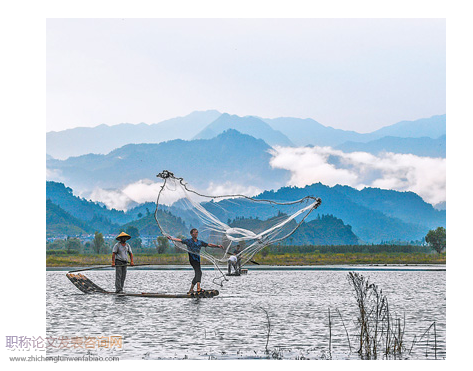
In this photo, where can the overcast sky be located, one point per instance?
(352, 74)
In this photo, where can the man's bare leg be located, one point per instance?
(191, 289)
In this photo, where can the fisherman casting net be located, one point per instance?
(242, 225)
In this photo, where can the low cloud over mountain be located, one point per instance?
(146, 190)
(425, 176)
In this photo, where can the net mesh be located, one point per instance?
(242, 225)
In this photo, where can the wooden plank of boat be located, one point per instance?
(85, 285)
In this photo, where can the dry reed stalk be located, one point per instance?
(377, 329)
(329, 332)
(346, 331)
(268, 324)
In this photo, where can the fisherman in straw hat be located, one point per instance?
(120, 260)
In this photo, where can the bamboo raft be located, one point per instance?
(88, 287)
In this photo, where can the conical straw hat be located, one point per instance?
(123, 234)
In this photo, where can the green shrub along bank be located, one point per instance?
(315, 255)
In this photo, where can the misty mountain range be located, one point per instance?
(374, 215)
(234, 152)
(229, 157)
(284, 131)
(103, 138)
(325, 230)
(304, 132)
(247, 125)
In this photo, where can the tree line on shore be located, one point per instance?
(435, 241)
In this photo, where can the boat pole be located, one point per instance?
(106, 266)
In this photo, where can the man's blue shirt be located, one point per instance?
(194, 247)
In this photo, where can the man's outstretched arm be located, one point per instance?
(213, 245)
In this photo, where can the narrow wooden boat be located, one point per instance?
(85, 285)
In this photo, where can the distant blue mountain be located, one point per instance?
(81, 208)
(406, 206)
(432, 127)
(103, 138)
(417, 146)
(309, 132)
(60, 222)
(71, 215)
(229, 157)
(285, 131)
(323, 230)
(326, 230)
(375, 215)
(247, 125)
(303, 132)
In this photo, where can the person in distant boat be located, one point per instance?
(120, 253)
(194, 245)
(234, 261)
(237, 254)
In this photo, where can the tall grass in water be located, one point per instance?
(378, 333)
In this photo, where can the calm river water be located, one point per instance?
(234, 324)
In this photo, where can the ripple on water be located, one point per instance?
(233, 325)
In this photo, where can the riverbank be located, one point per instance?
(292, 259)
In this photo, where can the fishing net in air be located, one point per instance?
(242, 225)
